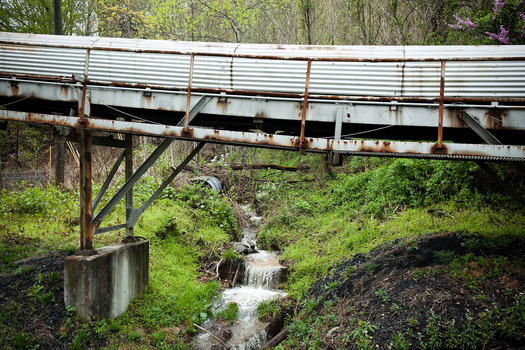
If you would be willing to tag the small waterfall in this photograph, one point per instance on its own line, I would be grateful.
(261, 278)
(262, 270)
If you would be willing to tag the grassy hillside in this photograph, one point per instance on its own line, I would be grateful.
(344, 234)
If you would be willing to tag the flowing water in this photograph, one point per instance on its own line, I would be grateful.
(261, 277)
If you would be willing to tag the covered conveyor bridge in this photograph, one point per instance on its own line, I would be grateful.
(444, 102)
(427, 101)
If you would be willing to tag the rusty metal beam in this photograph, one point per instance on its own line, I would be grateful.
(473, 123)
(441, 104)
(459, 151)
(203, 101)
(86, 212)
(128, 173)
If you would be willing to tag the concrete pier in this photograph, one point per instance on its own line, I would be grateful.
(102, 285)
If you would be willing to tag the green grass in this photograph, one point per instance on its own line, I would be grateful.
(180, 235)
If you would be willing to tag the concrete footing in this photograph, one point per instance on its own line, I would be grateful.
(101, 285)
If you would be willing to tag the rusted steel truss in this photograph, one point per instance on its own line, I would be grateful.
(353, 147)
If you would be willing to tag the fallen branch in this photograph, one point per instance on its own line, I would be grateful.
(281, 182)
(277, 339)
(269, 166)
(217, 273)
(216, 338)
(235, 276)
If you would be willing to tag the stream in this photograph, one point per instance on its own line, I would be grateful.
(260, 281)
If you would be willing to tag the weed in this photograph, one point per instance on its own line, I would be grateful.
(38, 294)
(232, 256)
(444, 256)
(268, 310)
(135, 336)
(371, 267)
(158, 338)
(412, 323)
(309, 305)
(399, 342)
(230, 313)
(382, 295)
(23, 270)
(23, 340)
(331, 286)
(361, 333)
(396, 309)
(347, 272)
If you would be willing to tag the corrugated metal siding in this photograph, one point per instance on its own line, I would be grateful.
(157, 70)
(272, 68)
(355, 78)
(286, 76)
(485, 79)
(211, 72)
(42, 61)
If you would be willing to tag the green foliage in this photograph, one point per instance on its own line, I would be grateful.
(383, 296)
(230, 313)
(491, 22)
(360, 335)
(23, 340)
(32, 200)
(232, 256)
(29, 16)
(268, 310)
(399, 342)
(37, 293)
(216, 206)
(403, 183)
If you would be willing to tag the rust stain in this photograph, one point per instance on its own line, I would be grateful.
(438, 149)
(495, 118)
(64, 91)
(15, 90)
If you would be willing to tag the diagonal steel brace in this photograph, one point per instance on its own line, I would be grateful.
(132, 181)
(108, 180)
(492, 140)
(136, 213)
(473, 123)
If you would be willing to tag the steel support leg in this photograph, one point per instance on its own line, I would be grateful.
(128, 139)
(108, 180)
(336, 158)
(86, 211)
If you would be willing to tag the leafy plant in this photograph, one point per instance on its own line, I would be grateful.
(230, 313)
(361, 333)
(399, 342)
(382, 295)
(268, 310)
(396, 309)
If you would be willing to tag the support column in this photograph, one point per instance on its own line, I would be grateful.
(86, 211)
(128, 139)
(59, 159)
